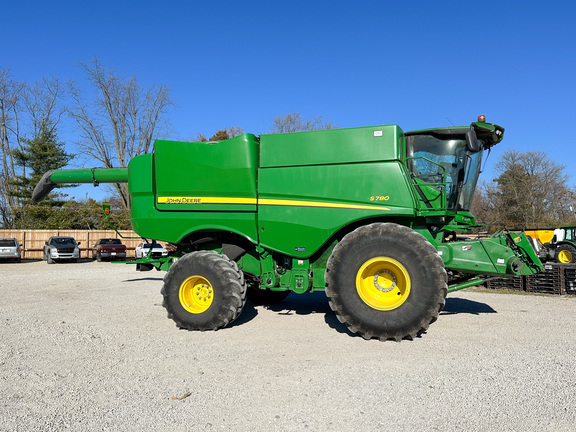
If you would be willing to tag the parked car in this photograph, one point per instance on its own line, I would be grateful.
(61, 248)
(108, 248)
(10, 249)
(143, 248)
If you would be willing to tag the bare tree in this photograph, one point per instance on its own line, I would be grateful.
(42, 104)
(6, 217)
(530, 192)
(293, 122)
(234, 131)
(124, 121)
(11, 93)
(10, 105)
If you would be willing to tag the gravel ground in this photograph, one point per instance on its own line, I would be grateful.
(88, 347)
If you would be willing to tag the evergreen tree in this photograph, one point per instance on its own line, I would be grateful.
(38, 155)
(89, 215)
(220, 135)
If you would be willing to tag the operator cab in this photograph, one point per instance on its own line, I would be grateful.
(445, 163)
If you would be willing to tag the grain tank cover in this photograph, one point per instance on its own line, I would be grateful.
(332, 146)
(206, 176)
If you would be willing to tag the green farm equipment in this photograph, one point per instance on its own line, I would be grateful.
(368, 214)
(558, 244)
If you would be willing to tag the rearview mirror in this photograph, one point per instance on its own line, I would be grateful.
(472, 141)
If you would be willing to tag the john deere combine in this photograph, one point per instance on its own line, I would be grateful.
(367, 214)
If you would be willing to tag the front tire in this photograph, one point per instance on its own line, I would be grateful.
(386, 281)
(204, 291)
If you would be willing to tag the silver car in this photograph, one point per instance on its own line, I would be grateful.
(10, 249)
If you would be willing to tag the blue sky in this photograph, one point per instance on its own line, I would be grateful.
(418, 64)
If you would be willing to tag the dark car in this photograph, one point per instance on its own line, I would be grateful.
(61, 248)
(10, 249)
(108, 249)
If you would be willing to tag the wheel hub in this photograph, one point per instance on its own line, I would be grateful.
(383, 283)
(203, 292)
(564, 256)
(196, 294)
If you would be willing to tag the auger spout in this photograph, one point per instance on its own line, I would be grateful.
(53, 178)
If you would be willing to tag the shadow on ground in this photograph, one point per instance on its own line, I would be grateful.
(249, 312)
(317, 303)
(460, 306)
(157, 279)
(310, 303)
(302, 304)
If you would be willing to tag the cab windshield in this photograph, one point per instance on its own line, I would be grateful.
(443, 162)
(569, 234)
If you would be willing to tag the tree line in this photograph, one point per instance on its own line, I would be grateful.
(530, 191)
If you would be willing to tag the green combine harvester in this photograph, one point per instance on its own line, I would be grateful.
(367, 214)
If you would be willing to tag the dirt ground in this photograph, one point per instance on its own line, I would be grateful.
(87, 346)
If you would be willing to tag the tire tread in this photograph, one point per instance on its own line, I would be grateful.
(383, 230)
(233, 285)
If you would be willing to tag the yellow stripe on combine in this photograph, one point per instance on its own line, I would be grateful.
(269, 202)
(296, 203)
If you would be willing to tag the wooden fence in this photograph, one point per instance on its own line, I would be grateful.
(32, 241)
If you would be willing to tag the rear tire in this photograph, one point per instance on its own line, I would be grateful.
(204, 291)
(566, 254)
(98, 257)
(386, 281)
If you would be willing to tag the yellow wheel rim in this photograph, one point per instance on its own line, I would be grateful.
(196, 294)
(564, 256)
(383, 283)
